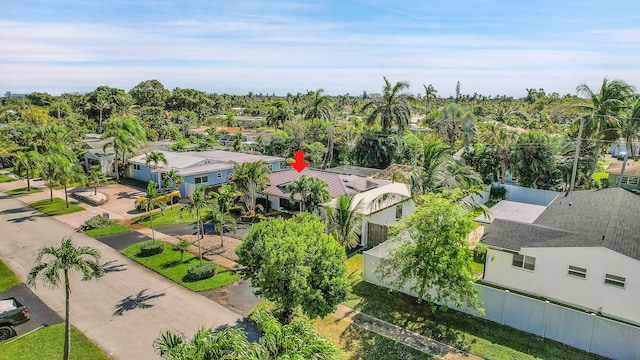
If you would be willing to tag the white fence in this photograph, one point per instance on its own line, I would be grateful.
(528, 195)
(581, 330)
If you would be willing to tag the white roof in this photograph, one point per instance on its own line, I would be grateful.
(397, 192)
(513, 211)
(175, 160)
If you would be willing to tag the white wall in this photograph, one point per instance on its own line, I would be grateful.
(386, 217)
(550, 279)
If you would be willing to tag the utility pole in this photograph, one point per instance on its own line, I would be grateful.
(576, 156)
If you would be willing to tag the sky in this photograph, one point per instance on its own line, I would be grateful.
(492, 47)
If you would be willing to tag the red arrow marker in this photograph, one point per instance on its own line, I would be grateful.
(299, 164)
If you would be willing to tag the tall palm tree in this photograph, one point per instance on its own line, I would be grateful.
(67, 173)
(127, 135)
(502, 139)
(223, 201)
(278, 112)
(48, 169)
(345, 220)
(311, 190)
(96, 178)
(197, 205)
(319, 107)
(249, 179)
(101, 105)
(603, 111)
(52, 261)
(125, 105)
(149, 202)
(26, 163)
(430, 94)
(392, 107)
(629, 130)
(155, 158)
(172, 178)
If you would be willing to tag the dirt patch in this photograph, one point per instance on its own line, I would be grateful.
(211, 245)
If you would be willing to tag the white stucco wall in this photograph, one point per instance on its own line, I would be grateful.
(385, 217)
(550, 278)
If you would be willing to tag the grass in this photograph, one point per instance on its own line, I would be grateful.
(47, 343)
(57, 207)
(168, 264)
(7, 278)
(168, 217)
(354, 269)
(6, 178)
(112, 229)
(23, 191)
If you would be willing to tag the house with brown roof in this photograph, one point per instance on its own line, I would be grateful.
(379, 211)
(631, 177)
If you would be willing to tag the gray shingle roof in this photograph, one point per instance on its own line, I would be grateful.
(280, 178)
(592, 218)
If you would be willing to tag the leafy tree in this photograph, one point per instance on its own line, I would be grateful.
(629, 131)
(534, 161)
(124, 105)
(392, 107)
(457, 123)
(501, 140)
(149, 93)
(52, 261)
(345, 220)
(26, 164)
(315, 153)
(280, 144)
(149, 202)
(101, 104)
(249, 179)
(297, 340)
(433, 254)
(311, 191)
(374, 149)
(223, 221)
(295, 264)
(197, 205)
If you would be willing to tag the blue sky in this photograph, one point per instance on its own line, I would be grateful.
(491, 47)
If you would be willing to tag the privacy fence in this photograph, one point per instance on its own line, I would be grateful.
(581, 330)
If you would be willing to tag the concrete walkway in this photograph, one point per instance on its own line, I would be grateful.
(124, 311)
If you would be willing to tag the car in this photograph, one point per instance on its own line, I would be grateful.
(12, 313)
(166, 196)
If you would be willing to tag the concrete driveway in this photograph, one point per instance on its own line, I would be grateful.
(39, 313)
(124, 311)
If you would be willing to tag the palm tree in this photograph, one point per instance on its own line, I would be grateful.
(502, 139)
(392, 107)
(311, 190)
(101, 105)
(124, 105)
(52, 261)
(429, 96)
(67, 173)
(197, 205)
(172, 178)
(127, 135)
(182, 246)
(155, 158)
(96, 178)
(26, 163)
(319, 107)
(222, 202)
(278, 112)
(149, 202)
(345, 220)
(603, 111)
(457, 122)
(249, 179)
(223, 221)
(629, 128)
(48, 168)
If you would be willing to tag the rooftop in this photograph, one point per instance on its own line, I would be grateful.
(632, 168)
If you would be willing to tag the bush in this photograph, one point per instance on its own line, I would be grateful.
(151, 247)
(498, 193)
(201, 271)
(96, 222)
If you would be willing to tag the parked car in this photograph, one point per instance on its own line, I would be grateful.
(12, 314)
(166, 196)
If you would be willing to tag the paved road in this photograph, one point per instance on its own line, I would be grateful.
(124, 311)
(123, 240)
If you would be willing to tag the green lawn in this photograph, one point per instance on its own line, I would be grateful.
(469, 333)
(57, 207)
(168, 217)
(23, 191)
(112, 229)
(47, 343)
(7, 278)
(6, 178)
(354, 269)
(168, 265)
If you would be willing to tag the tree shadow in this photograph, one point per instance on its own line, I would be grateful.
(246, 325)
(138, 301)
(31, 217)
(109, 267)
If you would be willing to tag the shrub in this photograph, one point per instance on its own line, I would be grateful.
(498, 193)
(151, 247)
(201, 271)
(96, 222)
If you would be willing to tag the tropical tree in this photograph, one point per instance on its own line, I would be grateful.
(101, 104)
(430, 94)
(127, 135)
(278, 112)
(223, 201)
(26, 163)
(250, 178)
(603, 111)
(182, 246)
(391, 108)
(534, 161)
(196, 206)
(502, 139)
(68, 172)
(48, 169)
(172, 179)
(315, 153)
(629, 131)
(52, 262)
(310, 190)
(433, 255)
(155, 158)
(124, 105)
(294, 263)
(344, 219)
(457, 123)
(96, 178)
(319, 107)
(149, 202)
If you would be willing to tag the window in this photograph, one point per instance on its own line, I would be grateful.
(614, 280)
(577, 271)
(219, 175)
(136, 166)
(398, 212)
(629, 180)
(524, 262)
(201, 179)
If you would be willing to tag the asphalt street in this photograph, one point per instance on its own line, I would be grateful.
(122, 312)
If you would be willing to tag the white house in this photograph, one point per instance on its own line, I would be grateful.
(378, 214)
(583, 250)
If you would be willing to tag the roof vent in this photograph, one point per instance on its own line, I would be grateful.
(602, 237)
(570, 203)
